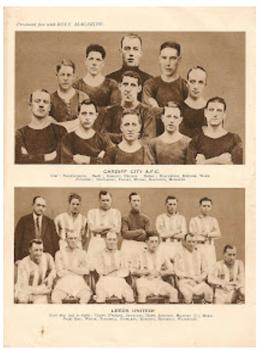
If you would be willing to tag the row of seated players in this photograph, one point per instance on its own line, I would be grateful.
(132, 229)
(93, 129)
(40, 280)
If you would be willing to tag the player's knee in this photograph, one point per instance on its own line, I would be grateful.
(208, 294)
(173, 295)
(23, 298)
(142, 294)
(100, 295)
(129, 296)
(187, 296)
(84, 296)
(41, 299)
(56, 297)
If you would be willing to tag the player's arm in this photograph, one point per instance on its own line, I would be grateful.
(160, 227)
(22, 155)
(131, 234)
(149, 94)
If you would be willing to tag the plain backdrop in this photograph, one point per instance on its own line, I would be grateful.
(222, 54)
(228, 206)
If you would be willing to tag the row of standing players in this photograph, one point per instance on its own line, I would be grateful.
(107, 122)
(148, 255)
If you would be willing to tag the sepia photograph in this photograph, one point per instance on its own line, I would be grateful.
(129, 98)
(158, 256)
(90, 245)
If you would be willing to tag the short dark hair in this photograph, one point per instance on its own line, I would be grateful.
(131, 35)
(67, 63)
(35, 241)
(173, 105)
(41, 90)
(104, 193)
(228, 246)
(111, 231)
(205, 199)
(87, 102)
(132, 74)
(131, 195)
(196, 68)
(187, 234)
(132, 112)
(36, 197)
(217, 99)
(96, 48)
(74, 196)
(152, 234)
(173, 45)
(170, 197)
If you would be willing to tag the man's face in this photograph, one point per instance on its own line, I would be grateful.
(205, 207)
(130, 127)
(94, 63)
(87, 116)
(230, 256)
(171, 206)
(171, 119)
(39, 206)
(40, 104)
(135, 202)
(65, 78)
(105, 201)
(36, 252)
(72, 240)
(196, 83)
(111, 241)
(215, 113)
(169, 61)
(74, 206)
(152, 243)
(190, 242)
(131, 51)
(129, 89)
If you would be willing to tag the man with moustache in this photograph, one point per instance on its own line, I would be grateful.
(39, 141)
(131, 52)
(35, 226)
(72, 221)
(85, 145)
(110, 118)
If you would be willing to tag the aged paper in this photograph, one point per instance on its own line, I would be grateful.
(222, 40)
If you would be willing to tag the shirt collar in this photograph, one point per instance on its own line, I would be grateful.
(37, 216)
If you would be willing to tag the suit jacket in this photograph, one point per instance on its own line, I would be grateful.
(25, 232)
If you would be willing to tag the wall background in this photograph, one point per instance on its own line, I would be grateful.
(222, 54)
(228, 206)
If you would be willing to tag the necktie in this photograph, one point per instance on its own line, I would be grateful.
(37, 228)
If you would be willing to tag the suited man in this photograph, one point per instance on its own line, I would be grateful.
(35, 225)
